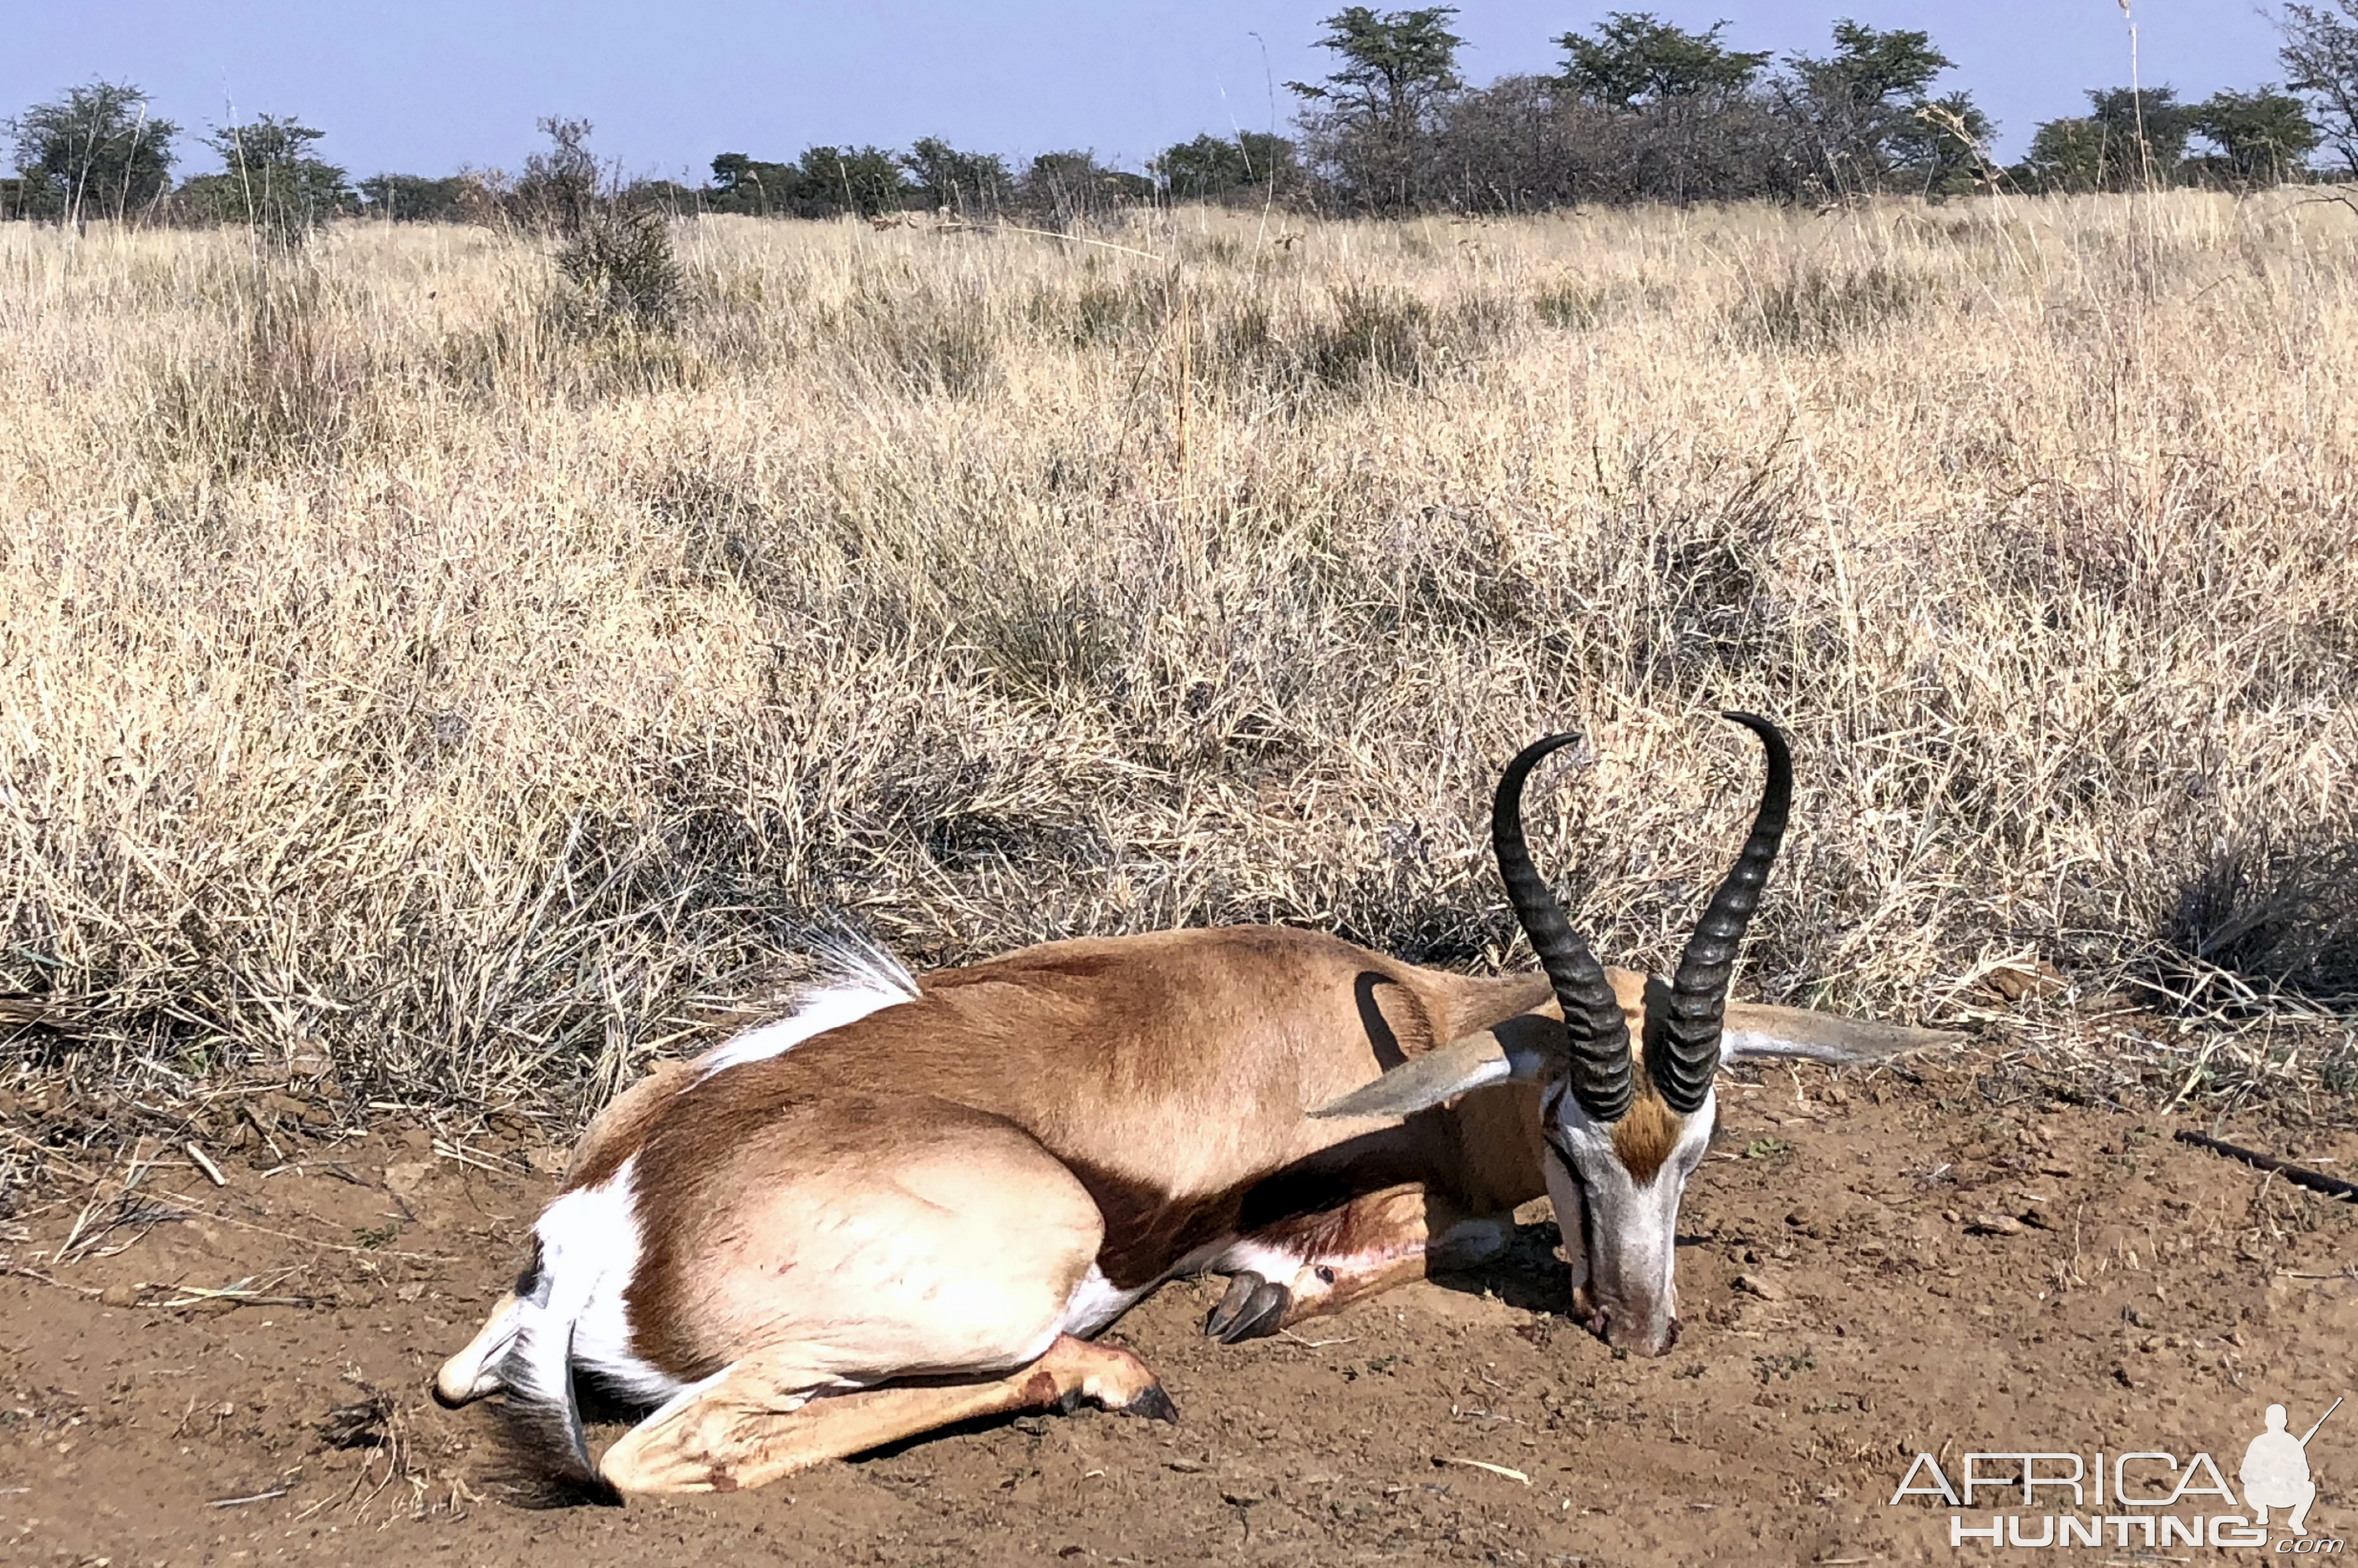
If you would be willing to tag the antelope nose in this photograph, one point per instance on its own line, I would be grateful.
(1634, 1335)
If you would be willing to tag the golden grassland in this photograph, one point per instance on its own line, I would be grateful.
(407, 669)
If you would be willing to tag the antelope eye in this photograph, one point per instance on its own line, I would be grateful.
(1326, 1275)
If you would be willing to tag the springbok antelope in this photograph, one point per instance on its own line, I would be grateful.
(912, 1201)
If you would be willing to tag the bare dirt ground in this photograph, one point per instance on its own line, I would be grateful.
(1871, 1268)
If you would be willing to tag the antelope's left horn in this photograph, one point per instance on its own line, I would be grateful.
(1684, 1054)
(1593, 1025)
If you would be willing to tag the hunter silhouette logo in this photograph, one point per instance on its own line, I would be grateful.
(2132, 1498)
(2276, 1471)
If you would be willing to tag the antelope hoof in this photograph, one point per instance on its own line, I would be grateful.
(1154, 1404)
(1252, 1308)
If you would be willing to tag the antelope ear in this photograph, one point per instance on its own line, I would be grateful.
(1754, 1031)
(1480, 1059)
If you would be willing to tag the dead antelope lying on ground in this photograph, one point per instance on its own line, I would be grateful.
(914, 1201)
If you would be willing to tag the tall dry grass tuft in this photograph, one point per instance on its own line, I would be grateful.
(398, 682)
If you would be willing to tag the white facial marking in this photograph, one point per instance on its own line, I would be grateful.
(1621, 1236)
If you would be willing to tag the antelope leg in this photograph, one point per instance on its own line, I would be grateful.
(1374, 1242)
(748, 1427)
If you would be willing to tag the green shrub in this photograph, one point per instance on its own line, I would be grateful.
(620, 266)
(1816, 309)
(1571, 305)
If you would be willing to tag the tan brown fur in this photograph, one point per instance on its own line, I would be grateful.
(615, 1132)
(748, 1429)
(1646, 1135)
(1380, 1239)
(799, 1216)
(1094, 1048)
(927, 1188)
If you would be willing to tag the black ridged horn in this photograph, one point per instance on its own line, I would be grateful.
(1601, 1076)
(1684, 1055)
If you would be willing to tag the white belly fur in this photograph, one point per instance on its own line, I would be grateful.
(1096, 1302)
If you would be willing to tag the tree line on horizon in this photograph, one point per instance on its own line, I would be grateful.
(1638, 110)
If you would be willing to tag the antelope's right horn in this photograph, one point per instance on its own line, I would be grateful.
(1602, 1079)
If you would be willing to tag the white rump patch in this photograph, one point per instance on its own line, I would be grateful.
(856, 980)
(588, 1254)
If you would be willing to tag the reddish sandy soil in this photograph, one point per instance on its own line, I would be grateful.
(1873, 1270)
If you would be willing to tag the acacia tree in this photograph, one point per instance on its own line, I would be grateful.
(2129, 139)
(416, 198)
(868, 181)
(2320, 60)
(2263, 137)
(1211, 167)
(1867, 110)
(1681, 119)
(1635, 59)
(2148, 126)
(1943, 151)
(1067, 188)
(1370, 119)
(828, 181)
(749, 185)
(2067, 154)
(973, 185)
(270, 179)
(97, 152)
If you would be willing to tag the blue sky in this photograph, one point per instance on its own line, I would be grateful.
(425, 86)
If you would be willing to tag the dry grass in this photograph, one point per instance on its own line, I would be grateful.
(405, 671)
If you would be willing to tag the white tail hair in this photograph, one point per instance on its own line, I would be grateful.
(852, 978)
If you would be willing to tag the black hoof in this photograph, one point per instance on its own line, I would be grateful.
(1240, 1290)
(1250, 1309)
(1232, 1305)
(1154, 1405)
